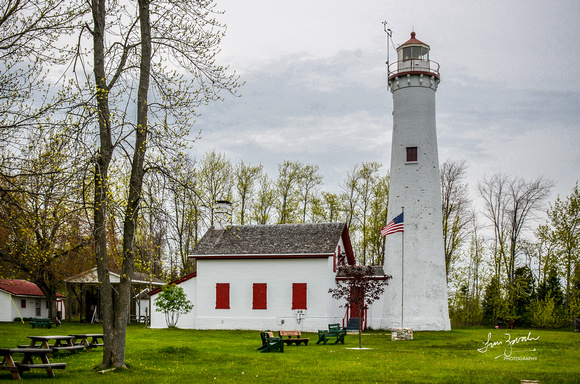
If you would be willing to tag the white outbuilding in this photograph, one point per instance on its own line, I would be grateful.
(21, 299)
(265, 277)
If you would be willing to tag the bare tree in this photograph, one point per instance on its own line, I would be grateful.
(185, 215)
(493, 192)
(29, 31)
(456, 210)
(510, 203)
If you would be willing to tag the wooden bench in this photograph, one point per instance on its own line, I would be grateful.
(71, 348)
(44, 323)
(334, 332)
(28, 367)
(271, 343)
(297, 337)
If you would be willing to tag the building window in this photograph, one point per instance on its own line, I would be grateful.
(222, 296)
(260, 296)
(22, 303)
(299, 296)
(411, 154)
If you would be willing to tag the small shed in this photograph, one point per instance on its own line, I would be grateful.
(83, 293)
(23, 299)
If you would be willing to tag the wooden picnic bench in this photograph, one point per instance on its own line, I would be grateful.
(42, 322)
(334, 332)
(61, 343)
(83, 339)
(16, 368)
(271, 343)
(296, 340)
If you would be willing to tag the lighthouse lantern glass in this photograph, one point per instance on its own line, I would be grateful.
(414, 52)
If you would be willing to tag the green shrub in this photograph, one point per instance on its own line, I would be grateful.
(546, 314)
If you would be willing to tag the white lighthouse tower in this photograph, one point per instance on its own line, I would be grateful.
(416, 297)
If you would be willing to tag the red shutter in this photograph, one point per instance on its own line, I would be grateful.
(299, 296)
(222, 296)
(260, 296)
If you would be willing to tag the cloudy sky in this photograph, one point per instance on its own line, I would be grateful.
(509, 98)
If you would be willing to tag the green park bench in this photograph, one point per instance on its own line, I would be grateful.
(335, 332)
(271, 343)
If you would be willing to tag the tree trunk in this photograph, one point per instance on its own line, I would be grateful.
(101, 183)
(360, 326)
(135, 189)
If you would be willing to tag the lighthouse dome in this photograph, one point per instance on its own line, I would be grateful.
(413, 49)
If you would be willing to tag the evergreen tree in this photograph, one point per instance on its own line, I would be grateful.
(492, 302)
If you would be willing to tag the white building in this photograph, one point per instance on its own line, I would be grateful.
(417, 295)
(23, 299)
(265, 277)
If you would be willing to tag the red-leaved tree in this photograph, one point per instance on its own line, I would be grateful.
(360, 285)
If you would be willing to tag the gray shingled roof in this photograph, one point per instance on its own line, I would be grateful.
(281, 239)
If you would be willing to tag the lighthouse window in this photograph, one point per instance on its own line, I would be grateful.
(420, 53)
(407, 53)
(413, 52)
(411, 154)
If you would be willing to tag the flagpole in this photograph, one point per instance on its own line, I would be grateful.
(402, 271)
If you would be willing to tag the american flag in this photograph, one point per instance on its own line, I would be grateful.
(396, 225)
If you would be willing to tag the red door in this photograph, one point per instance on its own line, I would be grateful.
(353, 306)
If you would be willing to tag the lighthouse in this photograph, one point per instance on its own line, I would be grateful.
(416, 297)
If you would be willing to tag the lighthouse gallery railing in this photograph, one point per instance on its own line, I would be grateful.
(410, 66)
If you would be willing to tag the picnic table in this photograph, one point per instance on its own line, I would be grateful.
(42, 322)
(60, 343)
(83, 339)
(297, 340)
(16, 368)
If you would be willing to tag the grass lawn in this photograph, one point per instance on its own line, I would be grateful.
(178, 356)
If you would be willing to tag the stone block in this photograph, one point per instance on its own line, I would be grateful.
(402, 334)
